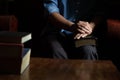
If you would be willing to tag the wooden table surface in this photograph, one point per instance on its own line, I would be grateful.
(56, 69)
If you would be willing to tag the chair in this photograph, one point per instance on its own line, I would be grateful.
(8, 23)
(113, 41)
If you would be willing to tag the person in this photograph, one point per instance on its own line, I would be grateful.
(66, 21)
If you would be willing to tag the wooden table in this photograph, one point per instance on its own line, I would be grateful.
(55, 69)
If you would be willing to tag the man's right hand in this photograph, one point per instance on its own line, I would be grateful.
(82, 29)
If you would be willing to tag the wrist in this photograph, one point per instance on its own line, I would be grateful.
(73, 28)
(70, 26)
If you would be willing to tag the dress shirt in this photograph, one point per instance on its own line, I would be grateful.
(72, 10)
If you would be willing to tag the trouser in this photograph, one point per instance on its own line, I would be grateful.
(63, 47)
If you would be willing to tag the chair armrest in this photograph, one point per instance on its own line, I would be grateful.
(8, 23)
(113, 28)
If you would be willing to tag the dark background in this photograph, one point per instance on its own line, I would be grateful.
(30, 12)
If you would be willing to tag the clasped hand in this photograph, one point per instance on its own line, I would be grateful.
(82, 29)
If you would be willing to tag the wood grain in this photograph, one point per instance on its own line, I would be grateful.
(56, 69)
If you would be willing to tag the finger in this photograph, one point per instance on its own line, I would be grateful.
(78, 36)
(81, 31)
(85, 30)
(85, 25)
(84, 35)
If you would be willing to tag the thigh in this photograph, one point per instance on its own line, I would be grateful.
(88, 52)
(56, 48)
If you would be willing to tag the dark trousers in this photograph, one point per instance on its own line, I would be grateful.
(63, 47)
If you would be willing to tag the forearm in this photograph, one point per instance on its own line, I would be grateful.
(59, 21)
